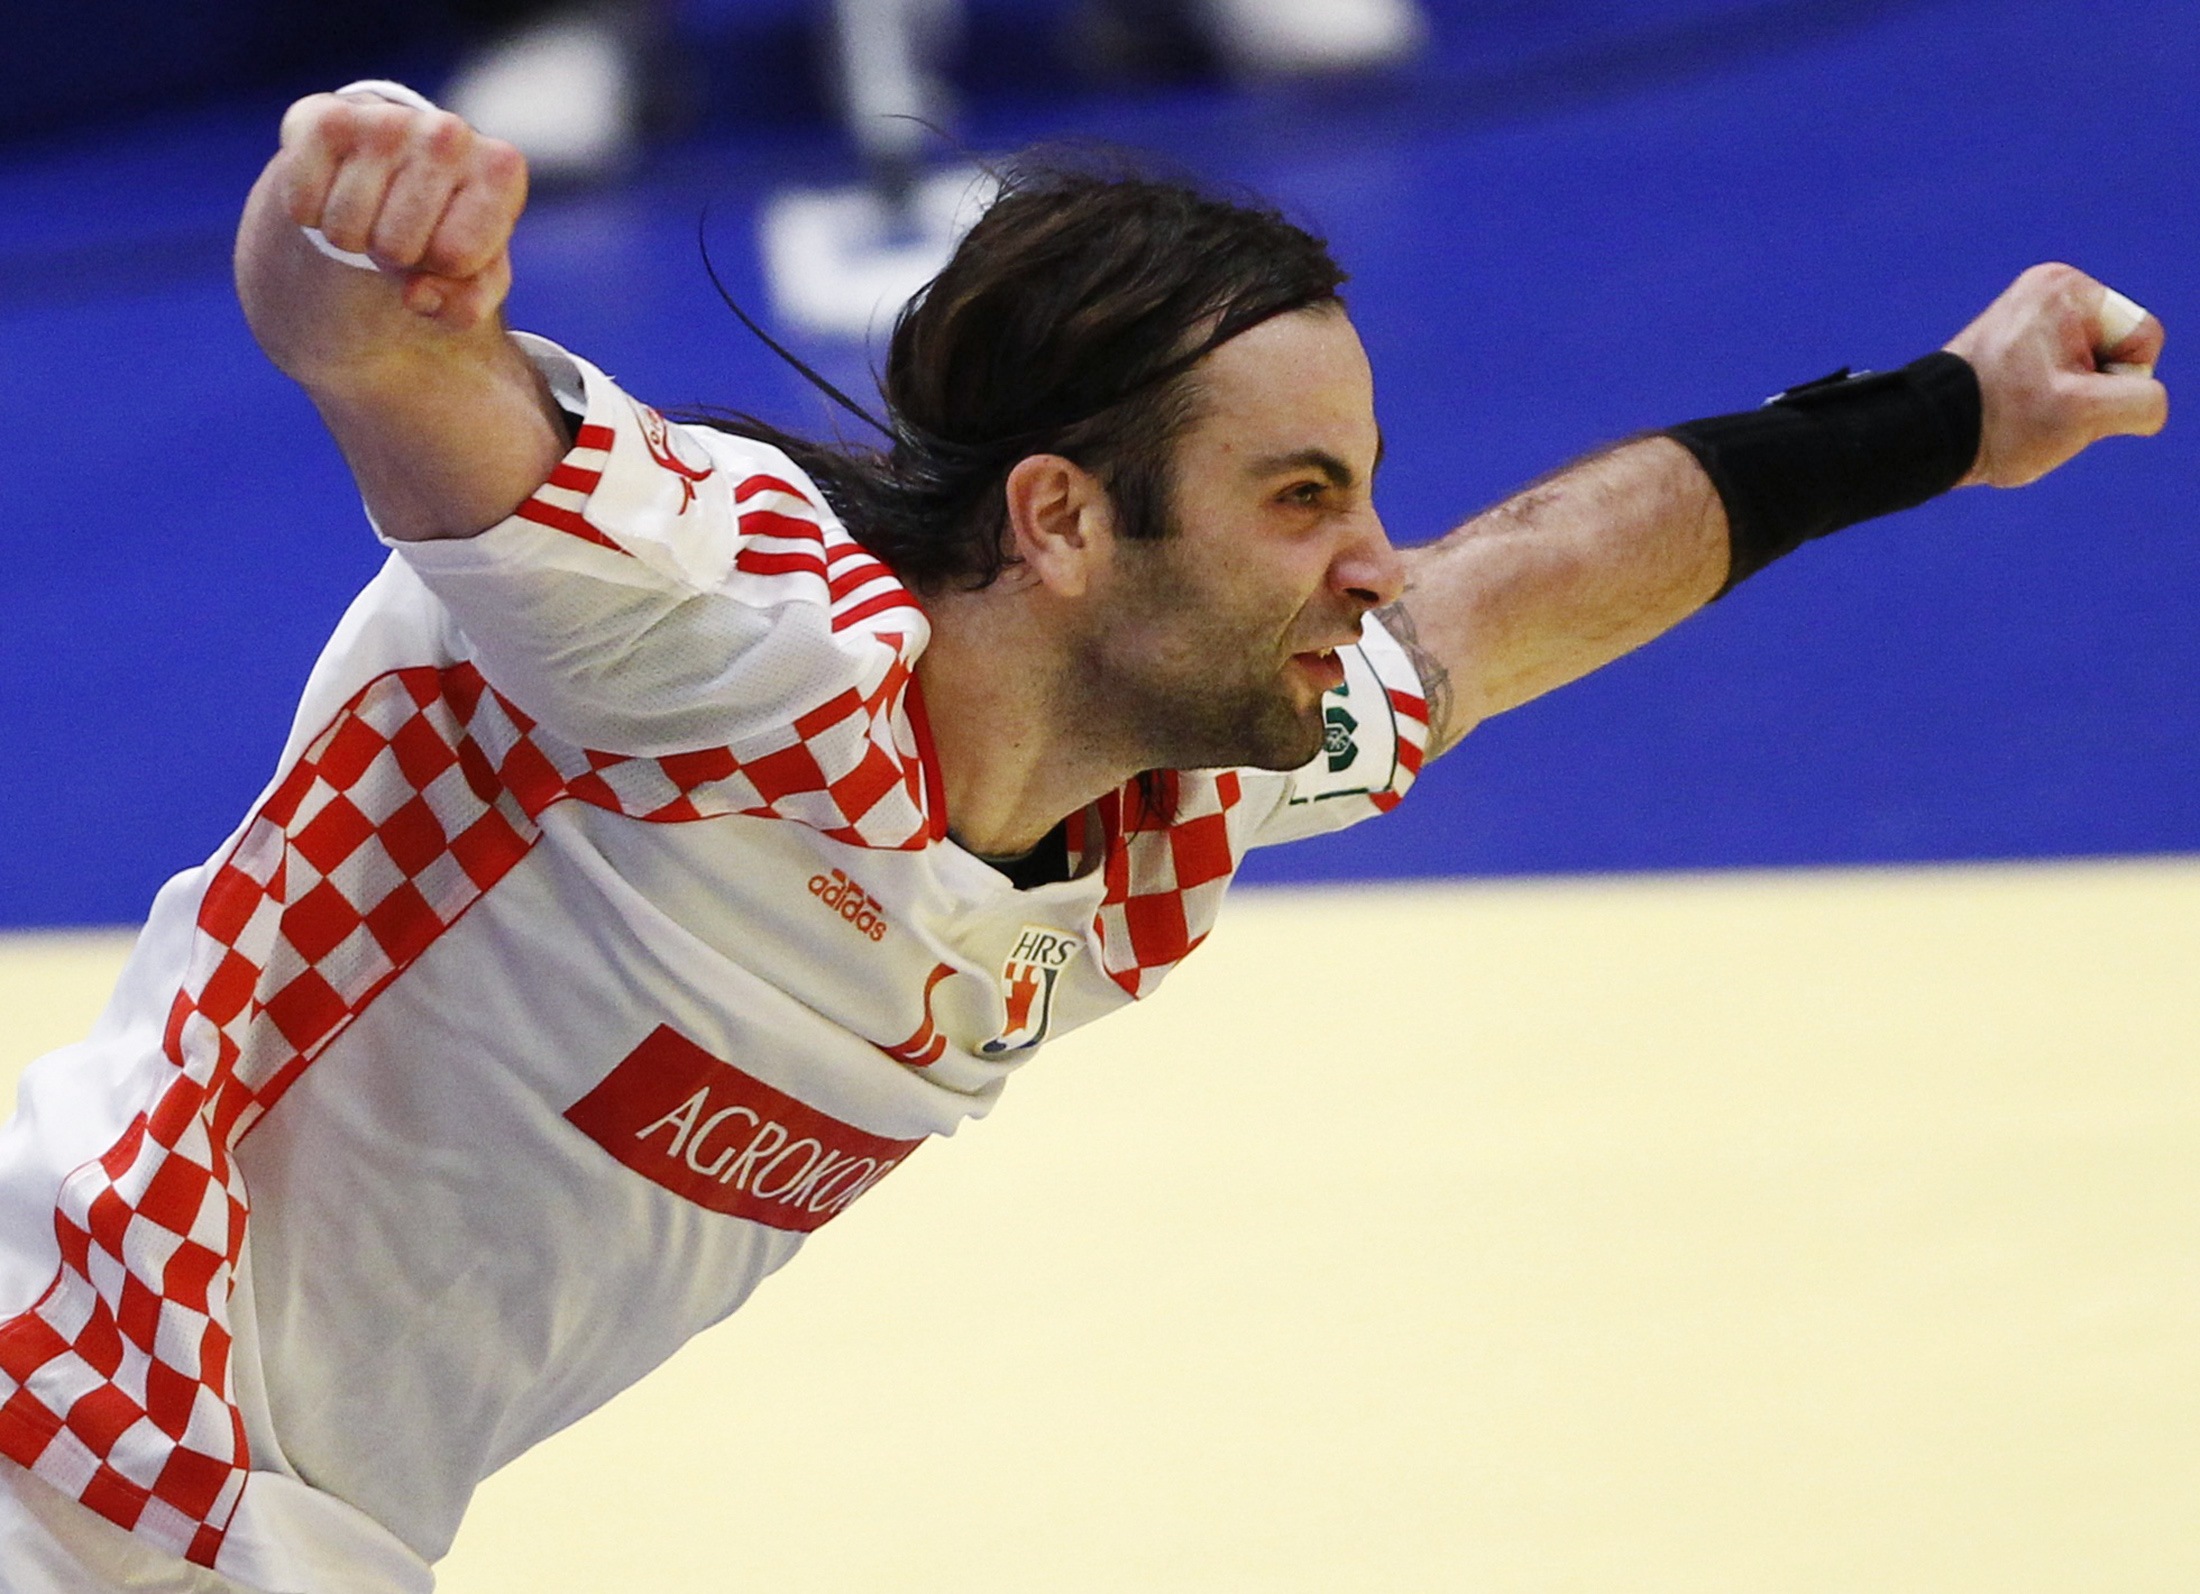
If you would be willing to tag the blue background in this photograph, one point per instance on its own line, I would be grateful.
(1571, 222)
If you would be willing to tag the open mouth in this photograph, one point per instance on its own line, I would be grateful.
(1323, 665)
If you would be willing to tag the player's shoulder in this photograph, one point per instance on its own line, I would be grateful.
(688, 448)
(758, 471)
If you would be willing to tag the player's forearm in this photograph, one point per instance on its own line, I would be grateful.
(1559, 579)
(446, 426)
(446, 431)
(1609, 553)
(453, 455)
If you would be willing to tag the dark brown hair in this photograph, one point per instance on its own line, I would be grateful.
(1068, 322)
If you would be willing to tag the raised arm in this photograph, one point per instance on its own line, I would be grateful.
(1601, 557)
(445, 425)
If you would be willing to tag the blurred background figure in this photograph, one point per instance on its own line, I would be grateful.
(583, 87)
(889, 57)
(566, 83)
(1260, 39)
(571, 84)
(1280, 38)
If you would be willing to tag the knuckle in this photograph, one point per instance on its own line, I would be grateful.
(442, 133)
(2051, 277)
(499, 162)
(307, 117)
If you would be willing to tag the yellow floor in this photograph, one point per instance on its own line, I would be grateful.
(1809, 1233)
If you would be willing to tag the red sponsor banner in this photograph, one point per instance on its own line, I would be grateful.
(704, 1130)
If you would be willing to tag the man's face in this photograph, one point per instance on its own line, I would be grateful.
(1213, 645)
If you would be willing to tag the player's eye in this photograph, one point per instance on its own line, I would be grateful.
(1308, 493)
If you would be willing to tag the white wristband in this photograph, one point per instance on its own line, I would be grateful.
(397, 94)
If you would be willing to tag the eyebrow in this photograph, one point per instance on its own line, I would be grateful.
(1339, 473)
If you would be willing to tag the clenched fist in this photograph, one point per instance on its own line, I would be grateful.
(444, 422)
(2043, 352)
(428, 200)
(419, 192)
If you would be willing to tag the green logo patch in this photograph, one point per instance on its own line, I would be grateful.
(1337, 728)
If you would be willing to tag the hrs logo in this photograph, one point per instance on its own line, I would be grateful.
(1028, 982)
(855, 905)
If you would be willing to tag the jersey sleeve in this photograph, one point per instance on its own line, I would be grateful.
(1375, 737)
(669, 587)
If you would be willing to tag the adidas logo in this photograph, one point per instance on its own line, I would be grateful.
(854, 904)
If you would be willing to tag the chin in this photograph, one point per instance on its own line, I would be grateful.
(1286, 741)
(1249, 728)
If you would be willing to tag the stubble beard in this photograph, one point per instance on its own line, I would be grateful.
(1189, 687)
(1218, 724)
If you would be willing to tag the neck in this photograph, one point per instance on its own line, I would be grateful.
(1018, 749)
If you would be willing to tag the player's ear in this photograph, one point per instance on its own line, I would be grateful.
(1061, 522)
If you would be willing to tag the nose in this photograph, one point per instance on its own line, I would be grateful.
(1368, 570)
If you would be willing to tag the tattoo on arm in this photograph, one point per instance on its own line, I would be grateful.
(1397, 619)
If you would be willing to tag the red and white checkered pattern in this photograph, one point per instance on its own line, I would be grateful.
(1168, 865)
(1169, 862)
(422, 794)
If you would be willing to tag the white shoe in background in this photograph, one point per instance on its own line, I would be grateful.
(1300, 38)
(566, 90)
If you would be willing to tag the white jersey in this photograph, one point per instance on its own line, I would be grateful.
(599, 937)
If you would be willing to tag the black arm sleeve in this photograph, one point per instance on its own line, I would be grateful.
(1834, 452)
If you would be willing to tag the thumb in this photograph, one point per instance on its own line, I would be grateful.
(459, 304)
(2126, 404)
